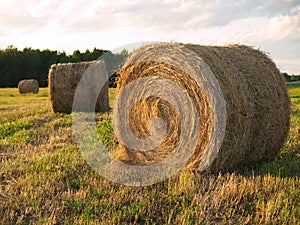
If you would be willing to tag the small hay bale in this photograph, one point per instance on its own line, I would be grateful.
(257, 104)
(63, 80)
(28, 86)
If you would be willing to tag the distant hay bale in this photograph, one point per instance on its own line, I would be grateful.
(28, 86)
(63, 81)
(257, 104)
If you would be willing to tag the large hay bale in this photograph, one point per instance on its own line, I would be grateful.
(256, 106)
(28, 86)
(64, 79)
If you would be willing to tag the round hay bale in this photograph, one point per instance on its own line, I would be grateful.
(28, 86)
(63, 81)
(243, 108)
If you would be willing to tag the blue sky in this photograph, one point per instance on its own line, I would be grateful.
(270, 25)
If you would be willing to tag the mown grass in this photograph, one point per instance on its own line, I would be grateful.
(45, 180)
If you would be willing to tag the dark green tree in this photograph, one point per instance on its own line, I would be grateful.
(16, 65)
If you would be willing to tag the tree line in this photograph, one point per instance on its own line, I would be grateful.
(16, 65)
(291, 78)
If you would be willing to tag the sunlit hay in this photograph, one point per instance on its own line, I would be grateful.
(257, 104)
(28, 86)
(63, 81)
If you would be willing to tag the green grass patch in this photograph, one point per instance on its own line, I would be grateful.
(9, 128)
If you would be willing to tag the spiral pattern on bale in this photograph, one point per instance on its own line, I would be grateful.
(242, 108)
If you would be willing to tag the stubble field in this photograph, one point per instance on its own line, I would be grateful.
(45, 180)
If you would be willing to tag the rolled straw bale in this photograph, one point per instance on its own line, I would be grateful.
(28, 86)
(257, 105)
(63, 80)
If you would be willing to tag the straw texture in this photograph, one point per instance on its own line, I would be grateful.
(28, 86)
(257, 105)
(63, 81)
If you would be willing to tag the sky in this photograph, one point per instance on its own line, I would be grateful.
(272, 26)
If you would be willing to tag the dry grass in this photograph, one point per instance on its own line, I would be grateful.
(44, 179)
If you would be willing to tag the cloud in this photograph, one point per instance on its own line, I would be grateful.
(282, 26)
(8, 19)
(195, 14)
(42, 9)
(20, 17)
(160, 16)
(230, 10)
(81, 24)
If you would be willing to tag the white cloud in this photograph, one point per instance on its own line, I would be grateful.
(281, 26)
(80, 24)
(41, 8)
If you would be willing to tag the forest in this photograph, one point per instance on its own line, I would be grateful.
(291, 78)
(16, 65)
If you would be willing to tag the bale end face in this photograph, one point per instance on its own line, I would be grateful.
(257, 104)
